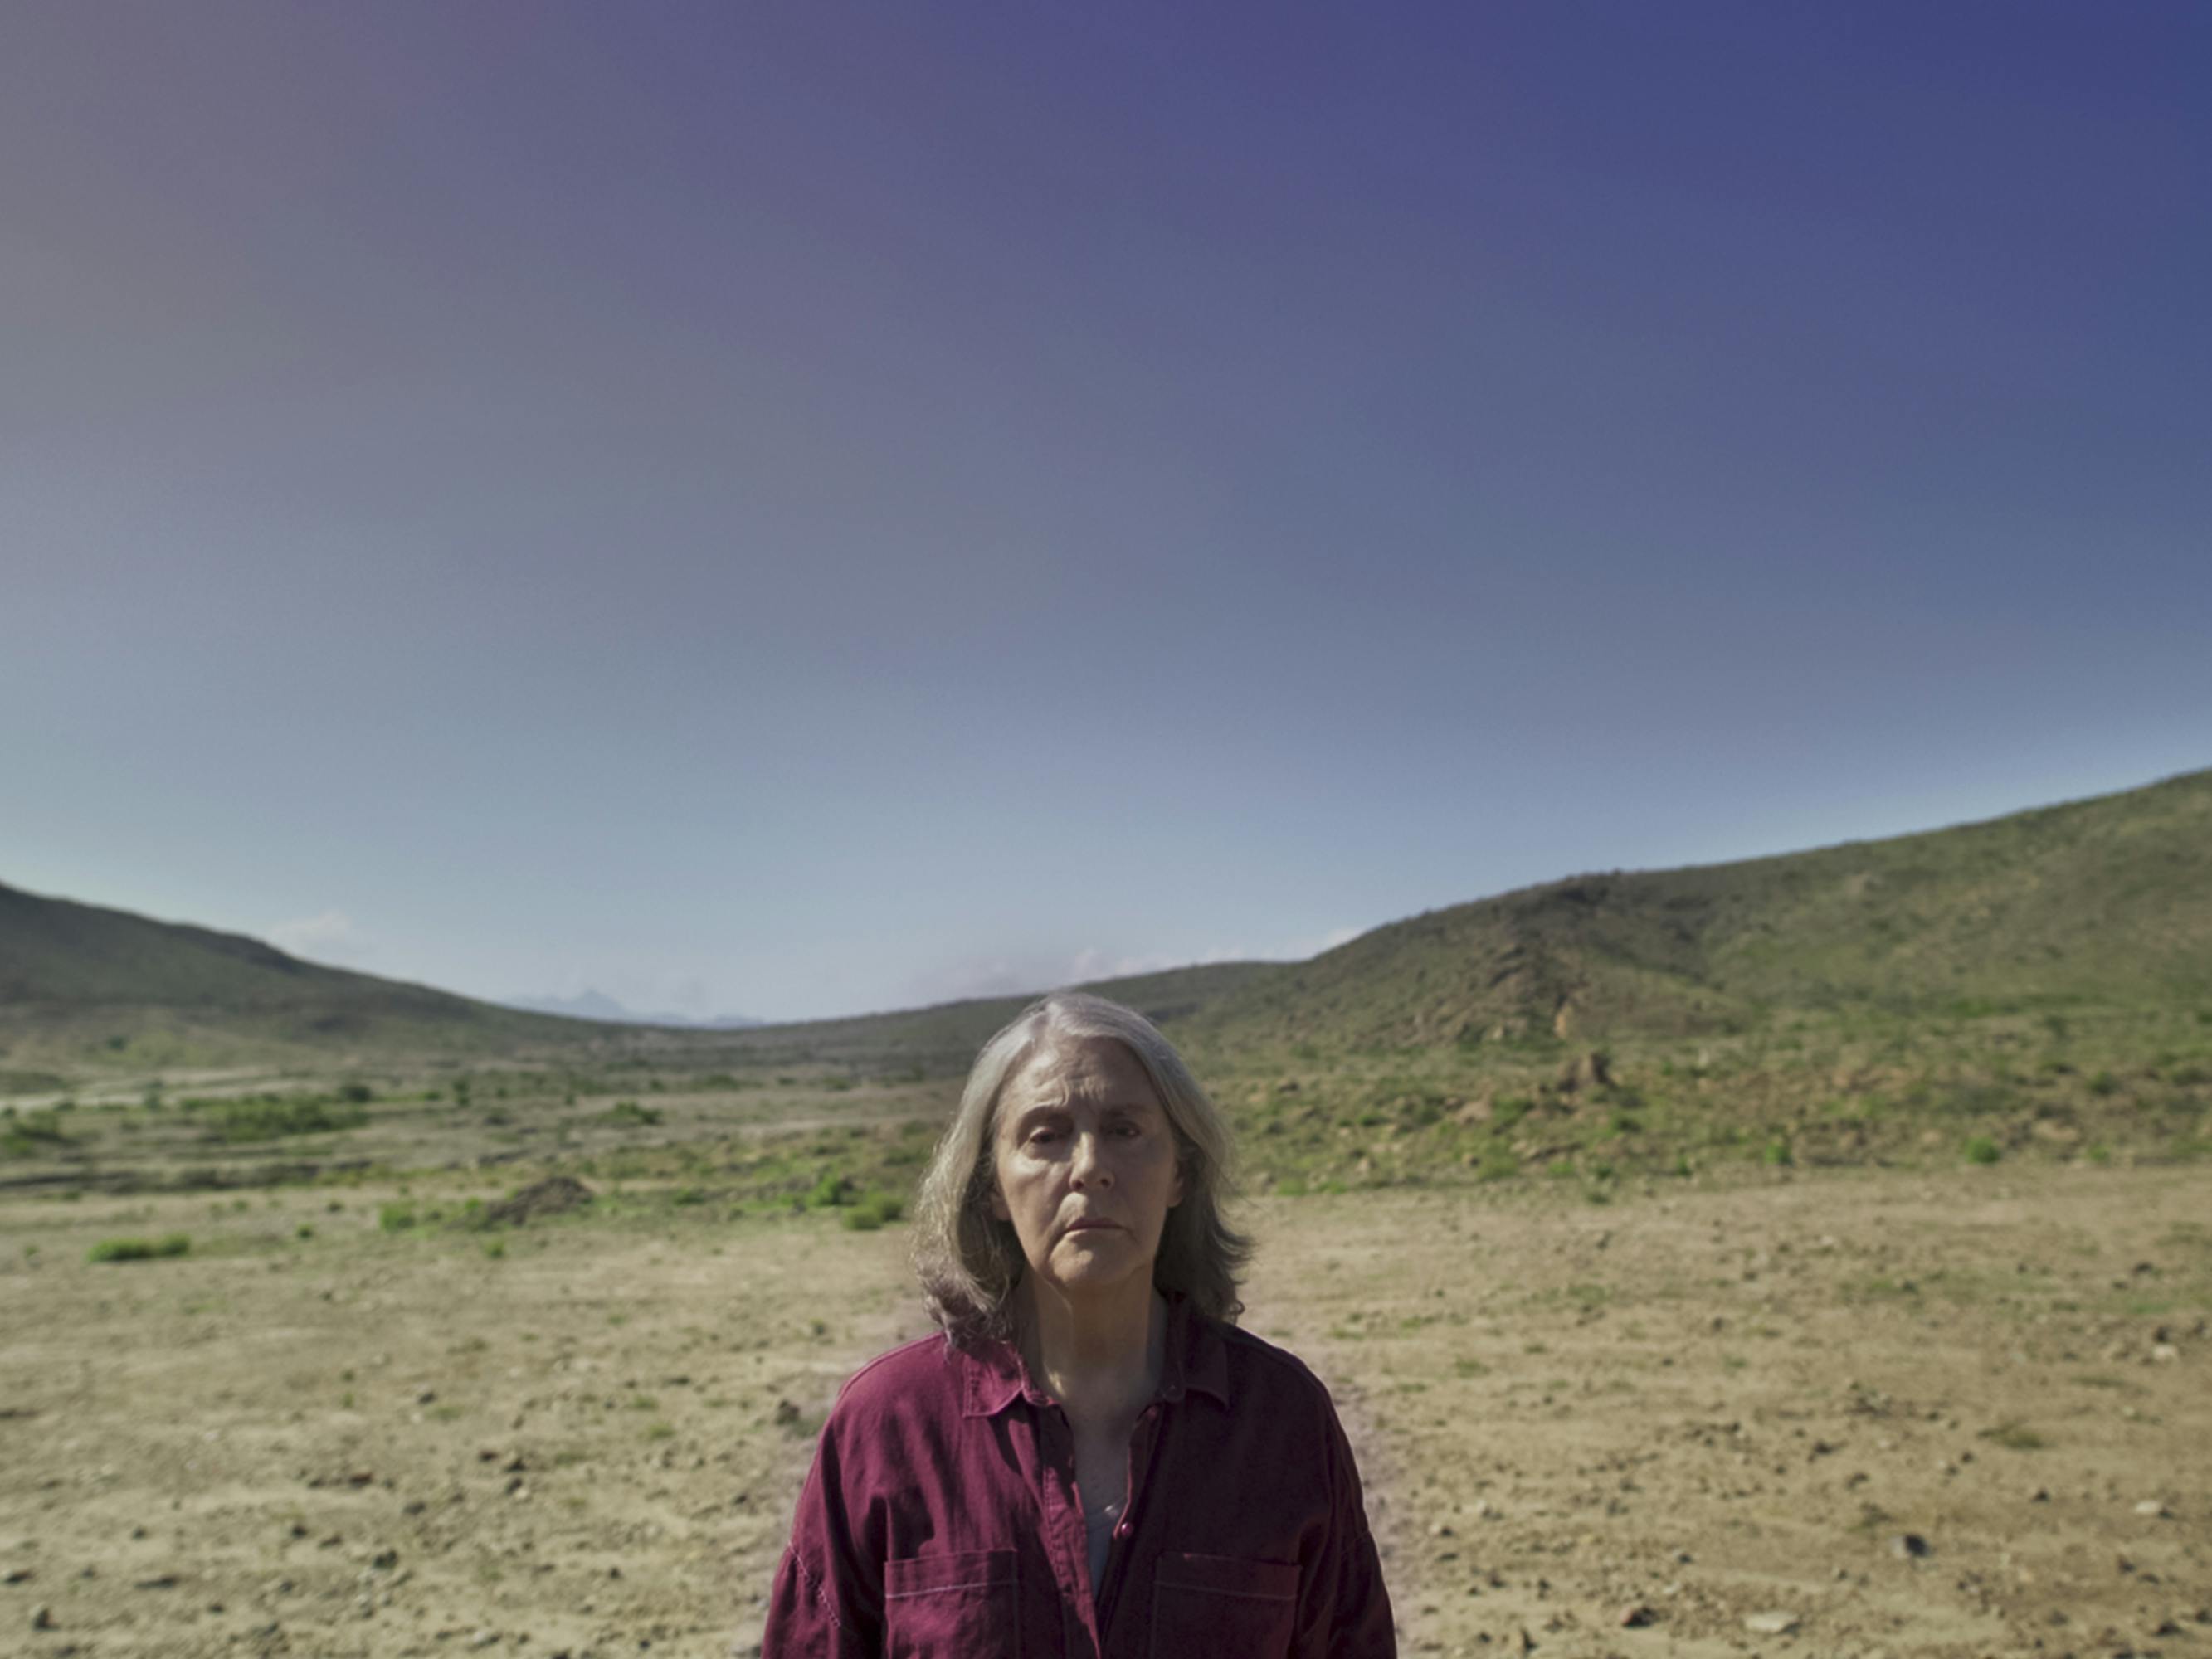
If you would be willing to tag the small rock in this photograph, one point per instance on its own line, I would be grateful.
(2151, 1506)
(1638, 1617)
(18, 1575)
(2165, 1354)
(42, 1618)
(1906, 1545)
(163, 1581)
(1770, 1623)
(426, 1396)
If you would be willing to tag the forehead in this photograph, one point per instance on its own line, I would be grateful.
(1078, 1071)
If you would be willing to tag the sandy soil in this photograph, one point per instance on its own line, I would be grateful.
(1697, 1407)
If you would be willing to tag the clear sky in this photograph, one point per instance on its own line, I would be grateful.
(800, 508)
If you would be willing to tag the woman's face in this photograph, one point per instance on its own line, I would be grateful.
(1086, 1164)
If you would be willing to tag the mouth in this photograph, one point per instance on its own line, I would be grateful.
(1092, 1225)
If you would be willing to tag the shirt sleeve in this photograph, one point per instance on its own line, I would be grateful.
(826, 1599)
(1344, 1611)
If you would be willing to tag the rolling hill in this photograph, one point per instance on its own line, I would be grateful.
(78, 979)
(2106, 902)
(80, 983)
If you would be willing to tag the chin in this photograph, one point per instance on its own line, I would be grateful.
(1084, 1271)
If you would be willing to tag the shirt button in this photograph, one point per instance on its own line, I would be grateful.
(1121, 1531)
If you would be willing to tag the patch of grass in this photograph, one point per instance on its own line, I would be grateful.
(1497, 1163)
(629, 1115)
(2015, 1436)
(1509, 1110)
(397, 1217)
(139, 1250)
(1980, 1149)
(34, 1131)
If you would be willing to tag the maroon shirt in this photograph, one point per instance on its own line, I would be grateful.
(941, 1517)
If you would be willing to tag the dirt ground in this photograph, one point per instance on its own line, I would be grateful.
(1851, 1414)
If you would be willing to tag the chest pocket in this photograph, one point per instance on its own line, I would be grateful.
(951, 1606)
(1223, 1608)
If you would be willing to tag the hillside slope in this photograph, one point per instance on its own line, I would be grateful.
(78, 981)
(2105, 901)
(74, 976)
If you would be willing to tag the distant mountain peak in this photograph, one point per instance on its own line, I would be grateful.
(593, 1004)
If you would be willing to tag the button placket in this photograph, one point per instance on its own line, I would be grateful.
(1143, 1454)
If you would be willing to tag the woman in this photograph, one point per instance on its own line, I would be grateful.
(1092, 1460)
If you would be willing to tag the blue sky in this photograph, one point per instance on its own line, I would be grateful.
(801, 509)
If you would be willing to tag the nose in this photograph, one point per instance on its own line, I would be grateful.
(1088, 1168)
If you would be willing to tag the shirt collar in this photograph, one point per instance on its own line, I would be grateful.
(1195, 1357)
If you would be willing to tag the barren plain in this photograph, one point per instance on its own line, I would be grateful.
(1849, 1412)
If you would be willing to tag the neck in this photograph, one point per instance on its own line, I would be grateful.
(1100, 1357)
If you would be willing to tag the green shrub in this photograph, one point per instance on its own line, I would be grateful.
(266, 1117)
(396, 1218)
(2104, 1083)
(1779, 1152)
(1980, 1149)
(355, 1094)
(830, 1191)
(872, 1211)
(139, 1250)
(629, 1115)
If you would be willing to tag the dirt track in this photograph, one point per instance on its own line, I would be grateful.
(1709, 1406)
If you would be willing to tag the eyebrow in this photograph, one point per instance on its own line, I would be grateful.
(1131, 1108)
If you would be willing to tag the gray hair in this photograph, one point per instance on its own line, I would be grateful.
(969, 1261)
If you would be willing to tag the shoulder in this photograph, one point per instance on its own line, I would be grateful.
(1272, 1379)
(922, 1379)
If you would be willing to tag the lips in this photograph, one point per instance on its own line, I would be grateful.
(1091, 1223)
